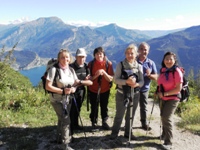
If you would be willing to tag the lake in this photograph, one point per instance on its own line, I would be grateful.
(34, 74)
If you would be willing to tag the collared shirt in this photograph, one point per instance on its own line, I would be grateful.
(147, 64)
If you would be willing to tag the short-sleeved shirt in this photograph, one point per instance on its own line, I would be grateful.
(173, 78)
(105, 85)
(67, 77)
(147, 64)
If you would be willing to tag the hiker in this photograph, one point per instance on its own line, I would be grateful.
(83, 74)
(170, 84)
(149, 73)
(135, 82)
(60, 97)
(102, 74)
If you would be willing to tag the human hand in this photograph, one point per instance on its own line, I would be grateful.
(73, 89)
(160, 94)
(67, 90)
(99, 72)
(88, 77)
(131, 81)
(148, 72)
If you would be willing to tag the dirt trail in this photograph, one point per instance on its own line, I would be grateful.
(183, 140)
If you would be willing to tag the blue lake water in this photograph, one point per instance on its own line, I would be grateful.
(34, 74)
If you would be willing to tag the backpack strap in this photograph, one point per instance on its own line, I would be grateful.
(171, 70)
(57, 73)
(122, 67)
(87, 69)
(91, 66)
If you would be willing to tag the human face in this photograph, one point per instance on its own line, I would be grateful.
(64, 59)
(99, 56)
(143, 51)
(169, 61)
(130, 55)
(80, 60)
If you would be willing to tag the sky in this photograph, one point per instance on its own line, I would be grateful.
(129, 14)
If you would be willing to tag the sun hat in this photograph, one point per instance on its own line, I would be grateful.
(81, 52)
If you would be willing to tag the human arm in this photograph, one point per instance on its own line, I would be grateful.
(87, 81)
(140, 82)
(152, 73)
(171, 86)
(174, 91)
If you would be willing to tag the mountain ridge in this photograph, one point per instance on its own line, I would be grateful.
(46, 36)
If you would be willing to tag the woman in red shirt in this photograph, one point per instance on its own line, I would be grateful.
(102, 74)
(170, 84)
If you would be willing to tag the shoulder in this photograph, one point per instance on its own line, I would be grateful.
(119, 65)
(109, 62)
(72, 64)
(71, 69)
(162, 70)
(150, 61)
(178, 70)
(91, 62)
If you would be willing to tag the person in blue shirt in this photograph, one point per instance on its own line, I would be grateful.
(149, 73)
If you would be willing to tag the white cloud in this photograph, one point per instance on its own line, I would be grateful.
(86, 23)
(20, 20)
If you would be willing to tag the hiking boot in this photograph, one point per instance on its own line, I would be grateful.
(132, 137)
(78, 127)
(113, 137)
(167, 146)
(146, 127)
(105, 126)
(67, 147)
(94, 126)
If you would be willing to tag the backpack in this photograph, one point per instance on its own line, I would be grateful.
(125, 74)
(107, 65)
(185, 91)
(51, 63)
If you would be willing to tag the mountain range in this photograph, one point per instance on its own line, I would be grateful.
(41, 39)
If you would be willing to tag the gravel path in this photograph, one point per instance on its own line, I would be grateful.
(183, 140)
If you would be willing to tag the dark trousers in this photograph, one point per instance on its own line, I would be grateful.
(76, 108)
(143, 107)
(103, 102)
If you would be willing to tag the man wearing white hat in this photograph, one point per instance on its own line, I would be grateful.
(83, 74)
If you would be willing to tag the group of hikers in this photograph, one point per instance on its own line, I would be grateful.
(133, 76)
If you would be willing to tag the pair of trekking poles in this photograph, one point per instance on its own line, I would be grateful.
(66, 111)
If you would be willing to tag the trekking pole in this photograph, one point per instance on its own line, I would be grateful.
(98, 97)
(88, 99)
(151, 114)
(79, 115)
(131, 118)
(152, 109)
(161, 106)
